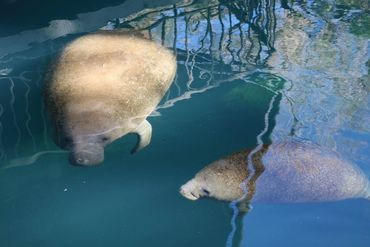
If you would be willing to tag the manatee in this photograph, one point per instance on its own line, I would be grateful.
(103, 86)
(285, 172)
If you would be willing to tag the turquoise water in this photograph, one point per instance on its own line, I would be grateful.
(309, 60)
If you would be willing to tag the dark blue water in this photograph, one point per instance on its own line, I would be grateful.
(308, 60)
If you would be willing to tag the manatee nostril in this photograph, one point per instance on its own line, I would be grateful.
(87, 157)
(81, 161)
(182, 191)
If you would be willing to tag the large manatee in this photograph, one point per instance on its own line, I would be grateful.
(102, 87)
(285, 172)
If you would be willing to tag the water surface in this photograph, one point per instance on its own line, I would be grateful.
(309, 60)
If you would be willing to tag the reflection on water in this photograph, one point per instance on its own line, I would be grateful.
(309, 61)
(316, 58)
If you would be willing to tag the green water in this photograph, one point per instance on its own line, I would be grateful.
(309, 60)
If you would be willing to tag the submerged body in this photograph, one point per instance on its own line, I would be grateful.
(282, 173)
(102, 87)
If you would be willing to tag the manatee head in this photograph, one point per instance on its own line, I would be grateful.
(86, 133)
(86, 150)
(220, 180)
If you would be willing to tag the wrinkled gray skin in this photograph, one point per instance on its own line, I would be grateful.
(104, 86)
(289, 172)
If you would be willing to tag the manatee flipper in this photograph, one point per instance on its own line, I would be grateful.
(144, 132)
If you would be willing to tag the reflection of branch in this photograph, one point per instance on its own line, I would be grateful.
(12, 58)
(259, 31)
(241, 46)
(37, 82)
(188, 72)
(222, 32)
(255, 168)
(271, 26)
(195, 53)
(197, 23)
(174, 28)
(230, 38)
(31, 79)
(255, 14)
(188, 94)
(294, 126)
(12, 101)
(203, 39)
(209, 27)
(2, 151)
(27, 111)
(25, 161)
(163, 34)
(249, 184)
(257, 149)
(142, 14)
(164, 17)
(184, 96)
(284, 4)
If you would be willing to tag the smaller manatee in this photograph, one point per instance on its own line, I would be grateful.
(281, 173)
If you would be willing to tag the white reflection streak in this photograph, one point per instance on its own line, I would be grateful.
(28, 120)
(12, 101)
(184, 96)
(2, 151)
(12, 58)
(233, 204)
(42, 112)
(29, 160)
(188, 94)
(190, 68)
(176, 82)
(6, 71)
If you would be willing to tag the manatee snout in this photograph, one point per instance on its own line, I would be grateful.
(188, 190)
(88, 155)
(192, 191)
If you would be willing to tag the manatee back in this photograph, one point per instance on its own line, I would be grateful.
(305, 172)
(129, 73)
